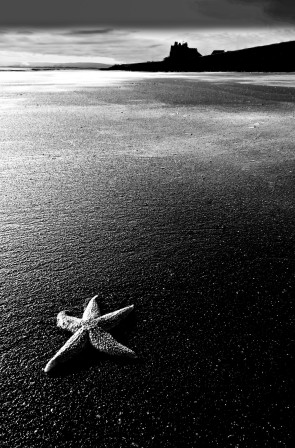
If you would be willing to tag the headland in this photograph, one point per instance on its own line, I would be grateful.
(268, 58)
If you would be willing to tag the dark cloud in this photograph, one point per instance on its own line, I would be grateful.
(24, 32)
(151, 13)
(90, 31)
(36, 12)
(229, 13)
(68, 12)
(277, 9)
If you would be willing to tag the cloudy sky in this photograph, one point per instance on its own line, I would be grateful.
(112, 31)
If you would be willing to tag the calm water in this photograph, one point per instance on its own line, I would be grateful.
(69, 80)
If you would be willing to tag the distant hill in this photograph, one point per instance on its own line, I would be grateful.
(277, 57)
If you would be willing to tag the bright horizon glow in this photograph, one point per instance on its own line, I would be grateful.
(110, 46)
(15, 58)
(54, 81)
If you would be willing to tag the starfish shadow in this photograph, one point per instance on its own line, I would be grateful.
(90, 358)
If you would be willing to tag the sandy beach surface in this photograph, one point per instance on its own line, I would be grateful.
(173, 193)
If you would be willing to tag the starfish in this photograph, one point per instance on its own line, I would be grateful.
(92, 328)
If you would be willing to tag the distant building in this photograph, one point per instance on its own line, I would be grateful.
(181, 52)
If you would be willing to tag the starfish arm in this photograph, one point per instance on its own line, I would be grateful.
(105, 343)
(92, 310)
(68, 322)
(72, 347)
(110, 320)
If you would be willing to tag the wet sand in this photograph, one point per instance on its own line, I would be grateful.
(189, 203)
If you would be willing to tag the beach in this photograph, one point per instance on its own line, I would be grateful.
(171, 192)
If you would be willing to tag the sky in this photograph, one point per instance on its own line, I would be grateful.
(117, 31)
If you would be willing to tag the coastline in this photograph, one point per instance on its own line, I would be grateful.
(266, 58)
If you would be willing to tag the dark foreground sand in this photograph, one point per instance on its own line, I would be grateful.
(206, 175)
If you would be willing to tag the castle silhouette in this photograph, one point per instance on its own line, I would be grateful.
(181, 51)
